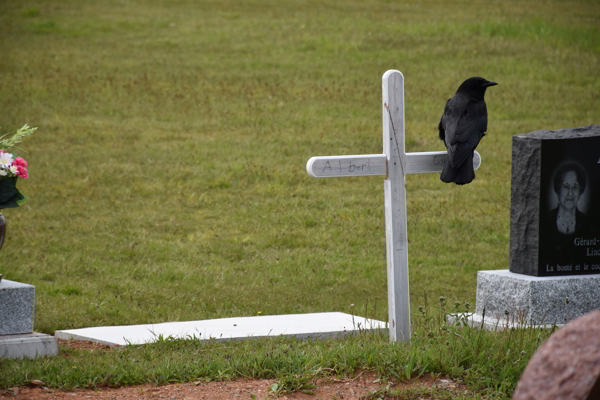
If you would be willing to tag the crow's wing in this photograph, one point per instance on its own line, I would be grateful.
(442, 124)
(465, 122)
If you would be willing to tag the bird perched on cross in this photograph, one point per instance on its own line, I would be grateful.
(463, 124)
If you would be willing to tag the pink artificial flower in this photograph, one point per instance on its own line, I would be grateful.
(22, 171)
(20, 161)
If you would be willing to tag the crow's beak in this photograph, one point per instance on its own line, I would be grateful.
(489, 83)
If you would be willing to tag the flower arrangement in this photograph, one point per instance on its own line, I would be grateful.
(12, 168)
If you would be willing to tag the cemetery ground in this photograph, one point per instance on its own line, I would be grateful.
(167, 178)
(442, 362)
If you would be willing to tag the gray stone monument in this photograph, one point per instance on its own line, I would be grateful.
(17, 313)
(554, 259)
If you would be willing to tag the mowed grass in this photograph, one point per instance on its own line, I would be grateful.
(167, 176)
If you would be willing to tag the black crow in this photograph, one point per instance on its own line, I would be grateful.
(462, 126)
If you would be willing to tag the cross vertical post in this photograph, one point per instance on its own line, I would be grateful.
(395, 207)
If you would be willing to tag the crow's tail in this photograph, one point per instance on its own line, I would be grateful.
(461, 176)
(448, 173)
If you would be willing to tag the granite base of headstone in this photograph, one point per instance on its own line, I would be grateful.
(554, 260)
(567, 365)
(508, 300)
(17, 313)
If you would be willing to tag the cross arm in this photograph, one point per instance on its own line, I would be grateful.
(360, 165)
(432, 161)
(376, 164)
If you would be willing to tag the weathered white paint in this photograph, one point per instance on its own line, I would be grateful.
(395, 207)
(334, 166)
(432, 161)
(376, 164)
(395, 164)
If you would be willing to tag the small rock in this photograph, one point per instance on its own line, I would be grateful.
(444, 383)
(37, 382)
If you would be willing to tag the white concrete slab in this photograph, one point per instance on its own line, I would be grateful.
(302, 326)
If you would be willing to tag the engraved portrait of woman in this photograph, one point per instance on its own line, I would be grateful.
(566, 221)
(569, 184)
(569, 200)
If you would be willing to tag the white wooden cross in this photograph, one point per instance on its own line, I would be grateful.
(394, 163)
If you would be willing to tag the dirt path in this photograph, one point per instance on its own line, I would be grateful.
(357, 388)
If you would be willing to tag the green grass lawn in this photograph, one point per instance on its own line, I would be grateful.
(168, 173)
(167, 176)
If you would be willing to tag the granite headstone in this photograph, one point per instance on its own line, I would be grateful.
(555, 216)
(17, 307)
(554, 254)
(17, 314)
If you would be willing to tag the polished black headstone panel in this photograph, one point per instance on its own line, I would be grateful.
(555, 212)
